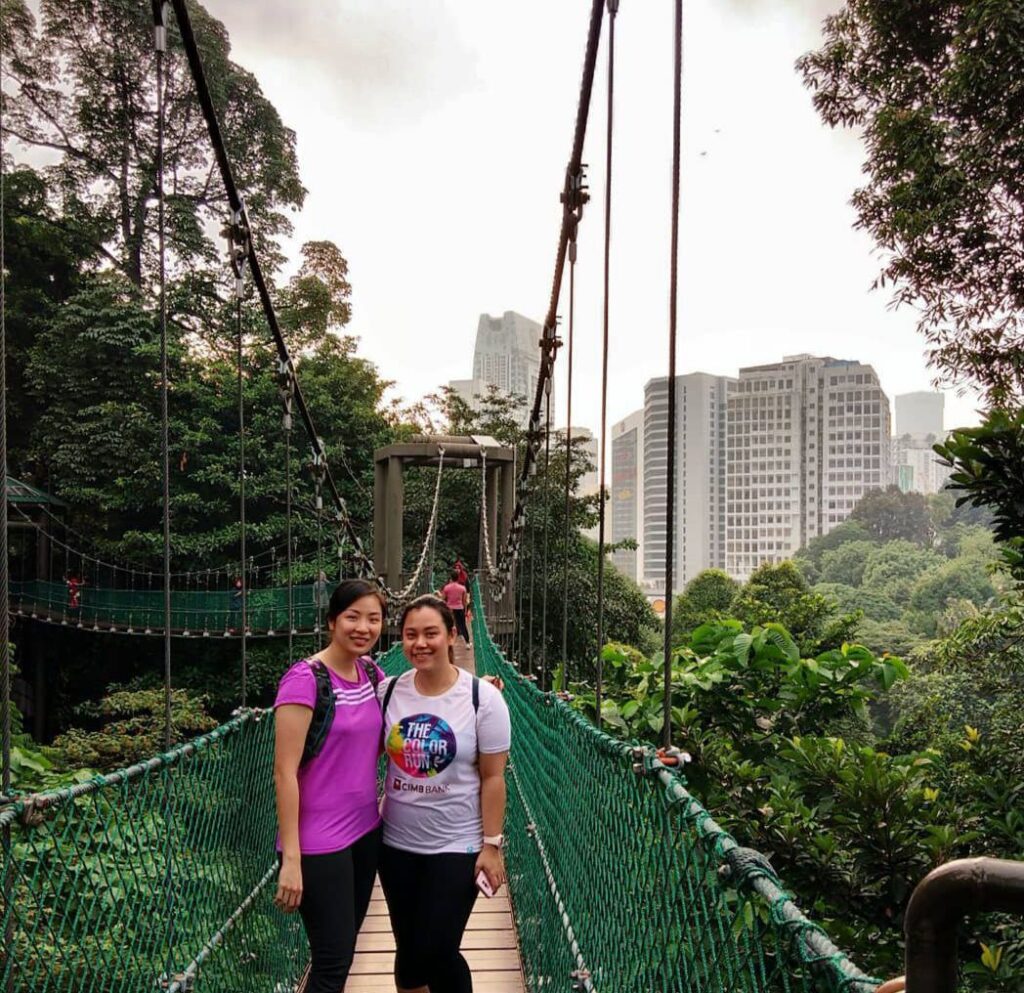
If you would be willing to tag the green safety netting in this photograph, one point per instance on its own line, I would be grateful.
(195, 612)
(159, 876)
(624, 881)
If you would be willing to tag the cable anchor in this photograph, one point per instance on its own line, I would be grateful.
(239, 236)
(286, 389)
(649, 761)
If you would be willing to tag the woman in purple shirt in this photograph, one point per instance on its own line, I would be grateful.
(327, 807)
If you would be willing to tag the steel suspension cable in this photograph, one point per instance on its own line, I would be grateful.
(547, 506)
(613, 9)
(241, 478)
(5, 648)
(288, 515)
(160, 44)
(259, 281)
(672, 316)
(533, 600)
(568, 467)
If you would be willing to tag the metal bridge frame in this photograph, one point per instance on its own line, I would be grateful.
(460, 451)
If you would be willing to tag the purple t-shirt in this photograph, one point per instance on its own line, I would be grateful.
(338, 788)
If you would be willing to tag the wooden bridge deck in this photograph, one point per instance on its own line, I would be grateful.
(489, 944)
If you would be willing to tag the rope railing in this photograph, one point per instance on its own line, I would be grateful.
(621, 881)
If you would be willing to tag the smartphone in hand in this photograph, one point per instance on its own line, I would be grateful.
(483, 884)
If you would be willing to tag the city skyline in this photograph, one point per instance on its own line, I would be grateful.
(766, 461)
(770, 262)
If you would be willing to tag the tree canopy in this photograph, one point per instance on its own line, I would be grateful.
(935, 87)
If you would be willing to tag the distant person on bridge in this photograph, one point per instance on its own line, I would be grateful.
(327, 742)
(456, 596)
(447, 736)
(461, 576)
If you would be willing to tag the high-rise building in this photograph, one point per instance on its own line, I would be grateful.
(915, 466)
(702, 403)
(920, 414)
(807, 437)
(507, 356)
(627, 493)
(589, 482)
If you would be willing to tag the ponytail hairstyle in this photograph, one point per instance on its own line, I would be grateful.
(431, 602)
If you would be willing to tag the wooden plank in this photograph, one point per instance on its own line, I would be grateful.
(484, 981)
(489, 939)
(483, 959)
(500, 921)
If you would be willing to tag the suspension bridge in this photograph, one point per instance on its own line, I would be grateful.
(161, 875)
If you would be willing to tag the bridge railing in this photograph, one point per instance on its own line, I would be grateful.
(142, 878)
(197, 612)
(624, 882)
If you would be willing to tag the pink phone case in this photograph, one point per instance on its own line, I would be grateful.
(483, 884)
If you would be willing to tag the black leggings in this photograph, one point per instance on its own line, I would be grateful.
(460, 624)
(430, 898)
(336, 890)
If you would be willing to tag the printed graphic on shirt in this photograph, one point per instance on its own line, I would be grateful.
(422, 745)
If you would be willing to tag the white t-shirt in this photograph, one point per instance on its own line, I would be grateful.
(432, 791)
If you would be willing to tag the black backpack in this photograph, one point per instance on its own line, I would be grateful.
(324, 707)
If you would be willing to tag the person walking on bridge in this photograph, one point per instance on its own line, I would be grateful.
(327, 742)
(456, 596)
(447, 737)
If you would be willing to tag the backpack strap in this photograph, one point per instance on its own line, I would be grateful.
(387, 696)
(372, 672)
(476, 695)
(323, 712)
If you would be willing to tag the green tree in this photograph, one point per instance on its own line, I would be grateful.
(845, 564)
(893, 568)
(934, 590)
(853, 599)
(934, 88)
(778, 594)
(707, 597)
(986, 463)
(890, 514)
(44, 263)
(81, 85)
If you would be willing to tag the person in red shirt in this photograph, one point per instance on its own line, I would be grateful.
(456, 597)
(74, 591)
(461, 576)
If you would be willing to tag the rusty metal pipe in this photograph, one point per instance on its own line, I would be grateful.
(940, 902)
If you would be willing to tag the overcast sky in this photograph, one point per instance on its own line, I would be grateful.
(433, 137)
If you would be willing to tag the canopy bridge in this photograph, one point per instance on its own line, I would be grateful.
(161, 876)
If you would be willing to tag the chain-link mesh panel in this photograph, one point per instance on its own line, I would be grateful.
(622, 879)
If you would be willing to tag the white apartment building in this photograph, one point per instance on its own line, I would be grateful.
(915, 466)
(702, 405)
(920, 414)
(507, 356)
(807, 437)
(627, 492)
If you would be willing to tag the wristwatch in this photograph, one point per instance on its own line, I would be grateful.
(497, 840)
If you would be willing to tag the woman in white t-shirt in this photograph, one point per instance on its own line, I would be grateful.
(447, 737)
